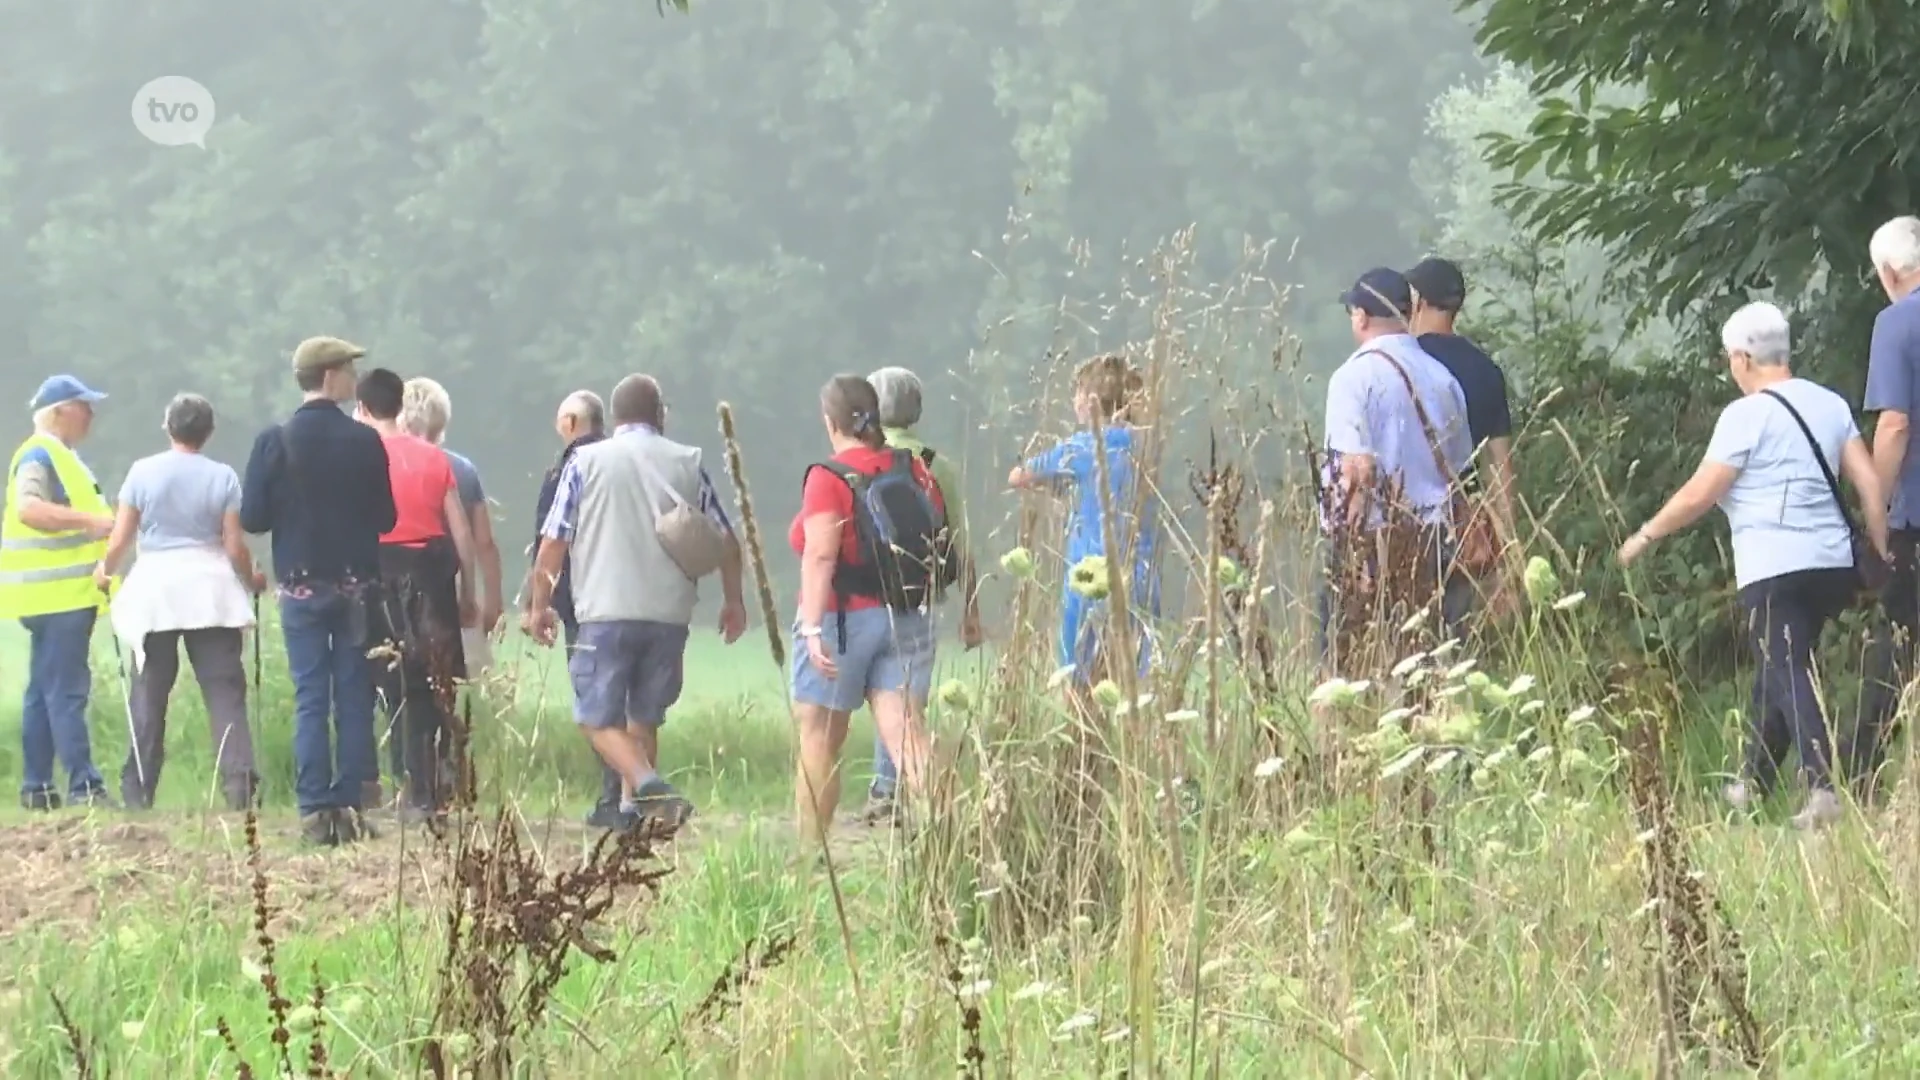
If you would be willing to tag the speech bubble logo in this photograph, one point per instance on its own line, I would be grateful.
(173, 110)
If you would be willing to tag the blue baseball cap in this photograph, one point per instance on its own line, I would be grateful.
(61, 389)
(1381, 292)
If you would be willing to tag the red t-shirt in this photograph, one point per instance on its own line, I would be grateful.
(420, 476)
(826, 493)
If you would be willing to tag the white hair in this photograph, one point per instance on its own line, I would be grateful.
(425, 409)
(43, 418)
(1760, 330)
(586, 406)
(1895, 246)
(899, 392)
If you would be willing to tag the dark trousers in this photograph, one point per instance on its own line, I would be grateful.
(416, 619)
(1889, 664)
(1785, 615)
(218, 666)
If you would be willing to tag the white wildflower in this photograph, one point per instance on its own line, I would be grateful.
(1569, 601)
(1268, 768)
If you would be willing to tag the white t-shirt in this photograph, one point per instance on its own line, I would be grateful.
(1782, 512)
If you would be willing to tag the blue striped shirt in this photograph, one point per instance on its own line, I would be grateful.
(563, 517)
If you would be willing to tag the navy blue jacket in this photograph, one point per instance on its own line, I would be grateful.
(327, 507)
(549, 490)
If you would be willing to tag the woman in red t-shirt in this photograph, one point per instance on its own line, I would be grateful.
(851, 649)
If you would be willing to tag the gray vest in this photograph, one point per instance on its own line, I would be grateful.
(620, 572)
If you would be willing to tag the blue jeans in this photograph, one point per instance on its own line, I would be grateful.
(53, 715)
(326, 636)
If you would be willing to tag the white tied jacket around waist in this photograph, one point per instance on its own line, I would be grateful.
(190, 588)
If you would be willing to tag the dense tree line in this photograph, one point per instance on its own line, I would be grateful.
(523, 196)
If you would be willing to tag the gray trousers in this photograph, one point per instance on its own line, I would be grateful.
(216, 656)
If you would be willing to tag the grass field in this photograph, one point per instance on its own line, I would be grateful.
(1504, 893)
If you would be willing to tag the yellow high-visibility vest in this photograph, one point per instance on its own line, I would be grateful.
(45, 573)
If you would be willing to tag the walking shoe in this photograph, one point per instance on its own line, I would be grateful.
(1823, 808)
(318, 829)
(609, 816)
(352, 827)
(40, 800)
(97, 799)
(881, 809)
(656, 800)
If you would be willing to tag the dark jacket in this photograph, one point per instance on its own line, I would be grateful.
(328, 505)
(550, 490)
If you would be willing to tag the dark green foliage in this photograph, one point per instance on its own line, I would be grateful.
(1772, 141)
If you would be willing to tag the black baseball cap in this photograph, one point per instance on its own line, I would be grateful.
(1439, 283)
(1381, 292)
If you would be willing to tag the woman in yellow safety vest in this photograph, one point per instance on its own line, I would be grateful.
(54, 531)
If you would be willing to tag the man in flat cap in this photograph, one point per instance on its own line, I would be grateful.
(55, 530)
(318, 483)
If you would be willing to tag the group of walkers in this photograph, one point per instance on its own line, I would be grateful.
(388, 583)
(1417, 413)
(388, 577)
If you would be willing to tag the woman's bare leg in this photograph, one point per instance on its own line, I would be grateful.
(817, 782)
(902, 722)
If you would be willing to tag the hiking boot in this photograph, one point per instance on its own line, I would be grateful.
(317, 829)
(40, 800)
(1823, 808)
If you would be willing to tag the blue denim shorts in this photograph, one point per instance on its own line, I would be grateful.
(626, 672)
(886, 651)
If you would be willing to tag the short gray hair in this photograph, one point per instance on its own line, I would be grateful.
(587, 407)
(190, 420)
(899, 392)
(1761, 331)
(1896, 246)
(425, 409)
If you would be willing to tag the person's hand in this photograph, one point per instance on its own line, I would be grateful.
(971, 634)
(469, 613)
(733, 621)
(541, 626)
(101, 528)
(101, 578)
(1635, 546)
(821, 659)
(259, 582)
(490, 616)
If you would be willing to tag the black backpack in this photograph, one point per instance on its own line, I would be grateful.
(906, 558)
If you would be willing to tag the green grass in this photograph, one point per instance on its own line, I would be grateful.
(1296, 927)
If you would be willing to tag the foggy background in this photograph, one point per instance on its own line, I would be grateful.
(524, 197)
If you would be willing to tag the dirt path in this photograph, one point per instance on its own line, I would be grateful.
(68, 871)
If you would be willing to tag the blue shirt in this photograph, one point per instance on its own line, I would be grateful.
(37, 460)
(466, 477)
(1782, 512)
(563, 516)
(1369, 411)
(1893, 374)
(1072, 464)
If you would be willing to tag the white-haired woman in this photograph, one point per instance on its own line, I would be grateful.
(425, 411)
(190, 583)
(1771, 467)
